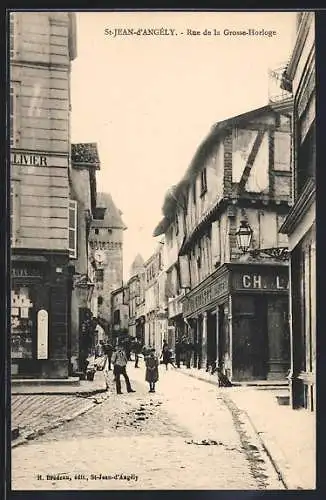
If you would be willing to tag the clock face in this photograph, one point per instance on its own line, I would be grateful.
(99, 256)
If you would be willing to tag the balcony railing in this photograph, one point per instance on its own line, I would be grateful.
(276, 94)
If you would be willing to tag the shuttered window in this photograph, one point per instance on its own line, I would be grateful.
(73, 229)
(282, 151)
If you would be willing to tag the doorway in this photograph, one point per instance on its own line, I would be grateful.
(250, 338)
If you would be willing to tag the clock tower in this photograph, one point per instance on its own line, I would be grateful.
(106, 247)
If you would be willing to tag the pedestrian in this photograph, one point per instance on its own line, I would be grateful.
(151, 375)
(127, 347)
(189, 349)
(167, 355)
(108, 351)
(178, 349)
(137, 348)
(120, 360)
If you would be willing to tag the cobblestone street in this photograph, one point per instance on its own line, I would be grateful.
(186, 436)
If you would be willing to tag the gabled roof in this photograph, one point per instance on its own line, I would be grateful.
(112, 215)
(202, 152)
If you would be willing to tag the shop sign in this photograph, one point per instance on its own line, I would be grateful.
(25, 272)
(205, 296)
(29, 159)
(42, 334)
(257, 281)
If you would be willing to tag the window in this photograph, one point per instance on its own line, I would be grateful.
(203, 181)
(13, 34)
(306, 159)
(73, 229)
(116, 317)
(96, 231)
(99, 275)
(194, 193)
(12, 219)
(14, 211)
(21, 323)
(176, 224)
(14, 113)
(99, 301)
(282, 151)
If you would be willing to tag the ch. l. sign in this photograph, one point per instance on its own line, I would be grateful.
(42, 334)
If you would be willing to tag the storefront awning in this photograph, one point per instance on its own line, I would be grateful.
(28, 258)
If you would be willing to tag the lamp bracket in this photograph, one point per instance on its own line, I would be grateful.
(278, 253)
(81, 281)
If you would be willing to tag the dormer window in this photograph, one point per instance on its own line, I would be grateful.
(203, 182)
(99, 213)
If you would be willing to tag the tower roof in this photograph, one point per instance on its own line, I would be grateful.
(137, 265)
(112, 215)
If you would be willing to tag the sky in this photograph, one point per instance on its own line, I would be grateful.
(149, 101)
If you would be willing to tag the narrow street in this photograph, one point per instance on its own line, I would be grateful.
(187, 435)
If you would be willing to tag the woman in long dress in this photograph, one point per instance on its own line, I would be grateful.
(151, 375)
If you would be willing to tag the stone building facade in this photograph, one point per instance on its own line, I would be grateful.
(120, 312)
(42, 46)
(106, 243)
(82, 179)
(235, 305)
(300, 225)
(155, 300)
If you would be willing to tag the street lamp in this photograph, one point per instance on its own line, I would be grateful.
(85, 287)
(244, 236)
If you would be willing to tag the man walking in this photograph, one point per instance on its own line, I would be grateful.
(119, 360)
(178, 348)
(108, 351)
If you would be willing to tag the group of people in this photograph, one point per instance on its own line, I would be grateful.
(119, 359)
(119, 356)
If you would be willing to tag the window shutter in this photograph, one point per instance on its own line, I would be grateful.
(73, 229)
(282, 151)
(184, 271)
(215, 241)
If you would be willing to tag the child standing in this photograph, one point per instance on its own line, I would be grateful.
(151, 370)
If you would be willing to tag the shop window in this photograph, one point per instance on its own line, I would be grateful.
(73, 229)
(21, 324)
(203, 182)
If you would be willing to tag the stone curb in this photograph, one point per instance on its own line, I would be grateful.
(85, 393)
(281, 467)
(54, 424)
